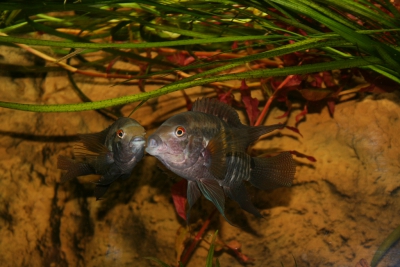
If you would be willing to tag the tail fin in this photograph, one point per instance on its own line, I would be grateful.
(73, 168)
(273, 172)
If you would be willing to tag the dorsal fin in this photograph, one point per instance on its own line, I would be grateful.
(219, 109)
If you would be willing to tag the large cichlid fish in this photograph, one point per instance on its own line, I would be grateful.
(208, 145)
(111, 153)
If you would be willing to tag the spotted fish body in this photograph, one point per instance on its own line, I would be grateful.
(207, 146)
(111, 153)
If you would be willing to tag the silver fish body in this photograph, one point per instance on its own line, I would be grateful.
(111, 153)
(208, 147)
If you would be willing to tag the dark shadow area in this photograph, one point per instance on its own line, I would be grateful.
(42, 138)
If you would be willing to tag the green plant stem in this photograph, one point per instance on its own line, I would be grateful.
(338, 64)
(188, 253)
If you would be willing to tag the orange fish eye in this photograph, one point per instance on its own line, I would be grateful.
(120, 133)
(180, 131)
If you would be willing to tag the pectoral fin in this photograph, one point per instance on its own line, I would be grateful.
(193, 194)
(214, 193)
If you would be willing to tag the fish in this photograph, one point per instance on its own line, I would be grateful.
(111, 153)
(208, 146)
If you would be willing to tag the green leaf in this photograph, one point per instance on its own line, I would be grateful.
(209, 261)
(390, 240)
(69, 44)
(163, 264)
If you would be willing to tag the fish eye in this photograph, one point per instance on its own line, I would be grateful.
(180, 131)
(120, 133)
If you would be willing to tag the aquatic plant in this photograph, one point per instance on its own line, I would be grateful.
(316, 51)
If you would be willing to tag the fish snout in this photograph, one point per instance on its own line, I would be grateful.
(138, 141)
(153, 143)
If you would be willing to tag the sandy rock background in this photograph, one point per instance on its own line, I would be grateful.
(338, 211)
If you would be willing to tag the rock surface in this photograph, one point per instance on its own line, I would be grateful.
(338, 211)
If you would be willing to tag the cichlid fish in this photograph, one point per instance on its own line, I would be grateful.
(207, 146)
(111, 153)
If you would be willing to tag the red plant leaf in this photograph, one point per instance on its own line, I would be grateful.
(142, 85)
(314, 94)
(315, 80)
(290, 59)
(177, 58)
(295, 80)
(294, 129)
(331, 106)
(250, 103)
(188, 61)
(189, 102)
(179, 196)
(234, 45)
(328, 79)
(225, 97)
(301, 114)
(288, 105)
(301, 155)
(111, 64)
(379, 83)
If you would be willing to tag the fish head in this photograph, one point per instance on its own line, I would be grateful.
(126, 136)
(176, 143)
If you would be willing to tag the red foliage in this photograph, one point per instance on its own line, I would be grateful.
(225, 97)
(302, 114)
(189, 102)
(180, 59)
(294, 129)
(301, 155)
(378, 83)
(250, 103)
(179, 196)
(234, 45)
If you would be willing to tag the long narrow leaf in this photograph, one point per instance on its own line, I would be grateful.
(339, 64)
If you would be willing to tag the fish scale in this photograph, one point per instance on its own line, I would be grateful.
(208, 147)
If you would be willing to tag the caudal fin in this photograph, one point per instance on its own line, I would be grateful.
(73, 168)
(273, 172)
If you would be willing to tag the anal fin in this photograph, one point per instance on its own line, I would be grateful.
(239, 194)
(100, 190)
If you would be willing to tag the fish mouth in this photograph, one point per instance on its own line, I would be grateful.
(153, 143)
(137, 141)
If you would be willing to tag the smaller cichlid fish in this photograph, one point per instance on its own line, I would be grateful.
(111, 153)
(208, 147)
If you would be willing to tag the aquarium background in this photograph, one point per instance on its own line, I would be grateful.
(339, 209)
(327, 69)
